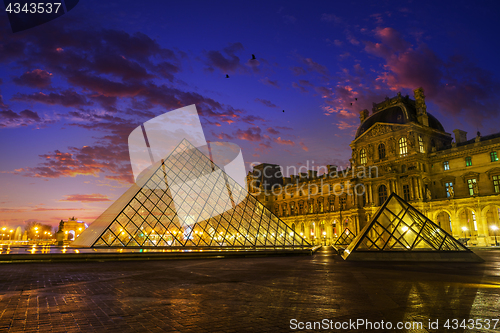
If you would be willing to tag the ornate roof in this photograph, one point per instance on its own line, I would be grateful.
(399, 110)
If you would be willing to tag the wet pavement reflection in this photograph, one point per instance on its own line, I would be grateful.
(245, 294)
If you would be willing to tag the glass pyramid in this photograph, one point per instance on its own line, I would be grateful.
(187, 201)
(345, 238)
(398, 226)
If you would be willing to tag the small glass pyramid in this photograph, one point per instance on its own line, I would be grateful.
(345, 238)
(187, 201)
(398, 226)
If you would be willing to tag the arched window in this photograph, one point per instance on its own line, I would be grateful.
(302, 229)
(382, 194)
(331, 201)
(403, 147)
(362, 156)
(381, 151)
(293, 227)
(403, 168)
(421, 144)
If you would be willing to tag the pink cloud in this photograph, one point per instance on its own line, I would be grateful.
(281, 141)
(251, 134)
(37, 78)
(455, 85)
(95, 197)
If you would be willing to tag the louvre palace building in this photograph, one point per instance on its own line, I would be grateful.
(398, 148)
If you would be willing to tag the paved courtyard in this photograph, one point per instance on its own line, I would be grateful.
(245, 295)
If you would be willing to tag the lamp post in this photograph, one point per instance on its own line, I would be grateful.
(464, 230)
(495, 228)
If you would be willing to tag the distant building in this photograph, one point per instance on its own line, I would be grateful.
(400, 148)
(69, 230)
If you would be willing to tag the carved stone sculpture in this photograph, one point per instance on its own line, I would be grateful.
(451, 192)
(428, 194)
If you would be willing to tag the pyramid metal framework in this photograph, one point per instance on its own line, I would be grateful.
(217, 213)
(399, 227)
(345, 238)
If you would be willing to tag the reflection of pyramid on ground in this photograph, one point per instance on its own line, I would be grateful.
(215, 211)
(344, 239)
(400, 232)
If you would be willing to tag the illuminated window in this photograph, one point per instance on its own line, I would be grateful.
(332, 203)
(446, 165)
(494, 156)
(406, 192)
(342, 202)
(311, 207)
(496, 183)
(468, 161)
(449, 188)
(382, 194)
(381, 151)
(471, 184)
(362, 156)
(403, 147)
(421, 144)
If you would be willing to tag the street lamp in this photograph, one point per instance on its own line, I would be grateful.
(495, 228)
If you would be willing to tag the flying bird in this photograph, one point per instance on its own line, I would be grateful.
(227, 76)
(351, 103)
(283, 110)
(356, 98)
(253, 57)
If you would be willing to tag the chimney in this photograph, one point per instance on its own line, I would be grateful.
(331, 168)
(460, 136)
(312, 174)
(363, 115)
(421, 107)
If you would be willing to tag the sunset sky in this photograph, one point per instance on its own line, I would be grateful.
(73, 89)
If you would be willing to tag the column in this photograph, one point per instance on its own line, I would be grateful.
(483, 229)
(412, 192)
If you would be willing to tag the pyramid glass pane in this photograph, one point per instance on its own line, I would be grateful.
(397, 226)
(188, 201)
(345, 238)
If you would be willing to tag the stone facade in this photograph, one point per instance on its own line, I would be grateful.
(399, 148)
